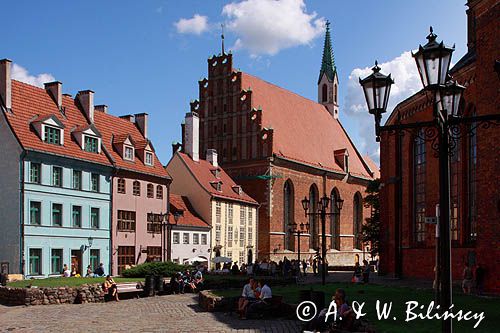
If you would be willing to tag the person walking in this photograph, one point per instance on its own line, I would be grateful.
(467, 279)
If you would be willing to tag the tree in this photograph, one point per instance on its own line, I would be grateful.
(371, 229)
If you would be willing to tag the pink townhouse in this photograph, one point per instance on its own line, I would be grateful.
(140, 191)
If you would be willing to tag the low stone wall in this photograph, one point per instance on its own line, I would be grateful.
(213, 303)
(46, 296)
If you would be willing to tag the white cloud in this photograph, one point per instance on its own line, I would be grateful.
(21, 74)
(195, 25)
(406, 82)
(263, 28)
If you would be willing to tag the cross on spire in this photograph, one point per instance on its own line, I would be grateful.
(222, 36)
(328, 61)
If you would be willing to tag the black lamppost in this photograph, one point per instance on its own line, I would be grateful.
(322, 207)
(164, 218)
(298, 229)
(433, 62)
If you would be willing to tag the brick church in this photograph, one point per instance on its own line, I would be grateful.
(282, 147)
(474, 169)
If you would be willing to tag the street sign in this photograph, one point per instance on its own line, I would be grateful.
(431, 220)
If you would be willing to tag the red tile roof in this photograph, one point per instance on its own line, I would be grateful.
(110, 125)
(189, 216)
(303, 130)
(202, 171)
(33, 103)
(28, 103)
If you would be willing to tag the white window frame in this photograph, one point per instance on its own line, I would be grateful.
(125, 156)
(149, 161)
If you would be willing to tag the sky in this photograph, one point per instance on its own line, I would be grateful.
(147, 56)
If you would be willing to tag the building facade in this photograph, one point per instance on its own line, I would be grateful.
(231, 213)
(140, 190)
(282, 147)
(190, 235)
(81, 186)
(474, 169)
(56, 192)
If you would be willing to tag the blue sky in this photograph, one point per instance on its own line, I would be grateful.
(139, 57)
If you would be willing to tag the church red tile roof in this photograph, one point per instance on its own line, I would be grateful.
(189, 216)
(202, 171)
(30, 103)
(303, 130)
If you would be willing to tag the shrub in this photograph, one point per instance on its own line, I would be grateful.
(155, 268)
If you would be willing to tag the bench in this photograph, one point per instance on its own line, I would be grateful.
(129, 288)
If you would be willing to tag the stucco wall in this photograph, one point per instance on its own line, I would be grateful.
(66, 237)
(142, 205)
(10, 235)
(181, 251)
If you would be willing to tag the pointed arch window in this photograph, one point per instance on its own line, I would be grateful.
(471, 182)
(313, 219)
(334, 220)
(419, 162)
(357, 220)
(288, 214)
(324, 93)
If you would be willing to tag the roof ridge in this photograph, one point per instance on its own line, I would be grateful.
(286, 90)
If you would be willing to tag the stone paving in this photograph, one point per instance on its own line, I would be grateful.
(171, 313)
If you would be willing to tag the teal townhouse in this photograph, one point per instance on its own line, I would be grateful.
(55, 180)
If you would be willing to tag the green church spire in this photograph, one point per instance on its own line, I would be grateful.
(328, 62)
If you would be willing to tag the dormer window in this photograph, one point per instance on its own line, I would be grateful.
(49, 129)
(149, 158)
(217, 185)
(237, 189)
(52, 135)
(216, 173)
(91, 144)
(128, 153)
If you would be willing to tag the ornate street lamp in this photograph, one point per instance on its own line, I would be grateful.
(448, 98)
(322, 212)
(433, 62)
(298, 229)
(377, 88)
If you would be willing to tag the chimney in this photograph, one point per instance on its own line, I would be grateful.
(101, 108)
(175, 147)
(192, 135)
(141, 121)
(86, 100)
(55, 91)
(212, 157)
(128, 117)
(5, 83)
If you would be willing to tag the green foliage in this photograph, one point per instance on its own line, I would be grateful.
(371, 229)
(155, 268)
(55, 282)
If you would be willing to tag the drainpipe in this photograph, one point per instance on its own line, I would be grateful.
(110, 242)
(21, 212)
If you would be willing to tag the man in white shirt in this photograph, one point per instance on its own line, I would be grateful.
(265, 293)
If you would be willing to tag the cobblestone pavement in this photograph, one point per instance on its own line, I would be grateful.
(172, 313)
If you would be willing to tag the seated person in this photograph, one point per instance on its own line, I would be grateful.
(66, 271)
(264, 301)
(110, 287)
(180, 283)
(247, 296)
(345, 315)
(198, 280)
(89, 272)
(99, 271)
